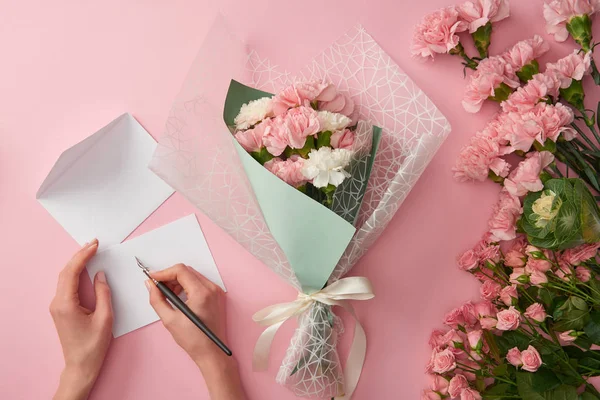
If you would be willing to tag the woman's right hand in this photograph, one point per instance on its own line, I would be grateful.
(207, 301)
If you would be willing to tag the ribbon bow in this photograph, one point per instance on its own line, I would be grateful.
(336, 294)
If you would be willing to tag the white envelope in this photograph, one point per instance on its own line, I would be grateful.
(181, 241)
(101, 187)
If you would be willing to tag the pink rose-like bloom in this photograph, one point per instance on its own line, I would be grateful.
(558, 13)
(525, 177)
(437, 33)
(437, 338)
(429, 394)
(452, 338)
(468, 260)
(443, 361)
(583, 274)
(474, 337)
(525, 51)
(490, 73)
(454, 318)
(470, 394)
(539, 265)
(514, 357)
(538, 278)
(440, 385)
(531, 359)
(490, 290)
(514, 259)
(469, 314)
(508, 293)
(488, 323)
(301, 94)
(289, 171)
(577, 255)
(343, 139)
(567, 337)
(508, 320)
(572, 67)
(457, 384)
(517, 272)
(478, 13)
(485, 309)
(536, 312)
(506, 212)
(341, 104)
(528, 96)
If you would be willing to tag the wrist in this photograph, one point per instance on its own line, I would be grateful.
(215, 363)
(75, 384)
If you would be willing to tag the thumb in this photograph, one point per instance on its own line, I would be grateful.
(103, 299)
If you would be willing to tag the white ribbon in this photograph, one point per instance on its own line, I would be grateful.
(336, 294)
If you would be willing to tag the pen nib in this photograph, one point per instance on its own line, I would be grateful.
(143, 267)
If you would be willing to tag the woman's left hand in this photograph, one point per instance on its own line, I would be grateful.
(84, 334)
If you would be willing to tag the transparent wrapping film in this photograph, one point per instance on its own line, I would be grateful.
(196, 156)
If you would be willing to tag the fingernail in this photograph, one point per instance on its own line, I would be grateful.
(147, 283)
(101, 277)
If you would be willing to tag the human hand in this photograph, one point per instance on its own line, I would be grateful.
(207, 301)
(84, 334)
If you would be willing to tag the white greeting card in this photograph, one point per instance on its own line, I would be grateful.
(181, 241)
(101, 187)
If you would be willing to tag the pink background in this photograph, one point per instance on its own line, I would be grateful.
(69, 67)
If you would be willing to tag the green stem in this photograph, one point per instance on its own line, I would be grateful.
(584, 136)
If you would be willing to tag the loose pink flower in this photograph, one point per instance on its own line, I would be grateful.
(341, 104)
(526, 177)
(514, 259)
(558, 13)
(531, 359)
(536, 312)
(478, 13)
(514, 357)
(437, 338)
(508, 320)
(470, 394)
(485, 309)
(289, 171)
(539, 88)
(454, 318)
(490, 74)
(506, 212)
(343, 139)
(443, 361)
(487, 251)
(525, 51)
(579, 254)
(479, 157)
(469, 314)
(440, 385)
(508, 293)
(567, 336)
(490, 290)
(457, 384)
(488, 323)
(538, 278)
(468, 260)
(583, 274)
(301, 94)
(539, 265)
(437, 33)
(516, 274)
(572, 67)
(452, 338)
(429, 394)
(474, 338)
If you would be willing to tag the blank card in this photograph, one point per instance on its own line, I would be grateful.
(181, 241)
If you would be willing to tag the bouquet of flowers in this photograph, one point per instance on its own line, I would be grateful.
(297, 170)
(531, 335)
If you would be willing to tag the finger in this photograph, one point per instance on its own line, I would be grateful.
(205, 281)
(68, 280)
(181, 274)
(159, 302)
(103, 310)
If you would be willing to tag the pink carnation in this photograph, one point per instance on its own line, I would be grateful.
(301, 94)
(341, 104)
(490, 290)
(506, 212)
(577, 255)
(536, 312)
(531, 359)
(490, 74)
(478, 13)
(289, 171)
(508, 320)
(437, 33)
(508, 293)
(525, 51)
(537, 89)
(478, 158)
(572, 67)
(300, 123)
(252, 139)
(526, 177)
(558, 13)
(457, 384)
(343, 139)
(514, 259)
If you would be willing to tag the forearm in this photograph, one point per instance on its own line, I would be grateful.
(73, 386)
(222, 378)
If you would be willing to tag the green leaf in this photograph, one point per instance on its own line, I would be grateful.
(528, 71)
(497, 391)
(481, 38)
(543, 380)
(563, 393)
(567, 222)
(584, 342)
(501, 370)
(545, 296)
(574, 314)
(262, 156)
(588, 396)
(592, 329)
(512, 339)
(525, 388)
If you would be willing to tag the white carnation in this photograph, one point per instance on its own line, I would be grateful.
(253, 112)
(326, 166)
(333, 121)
